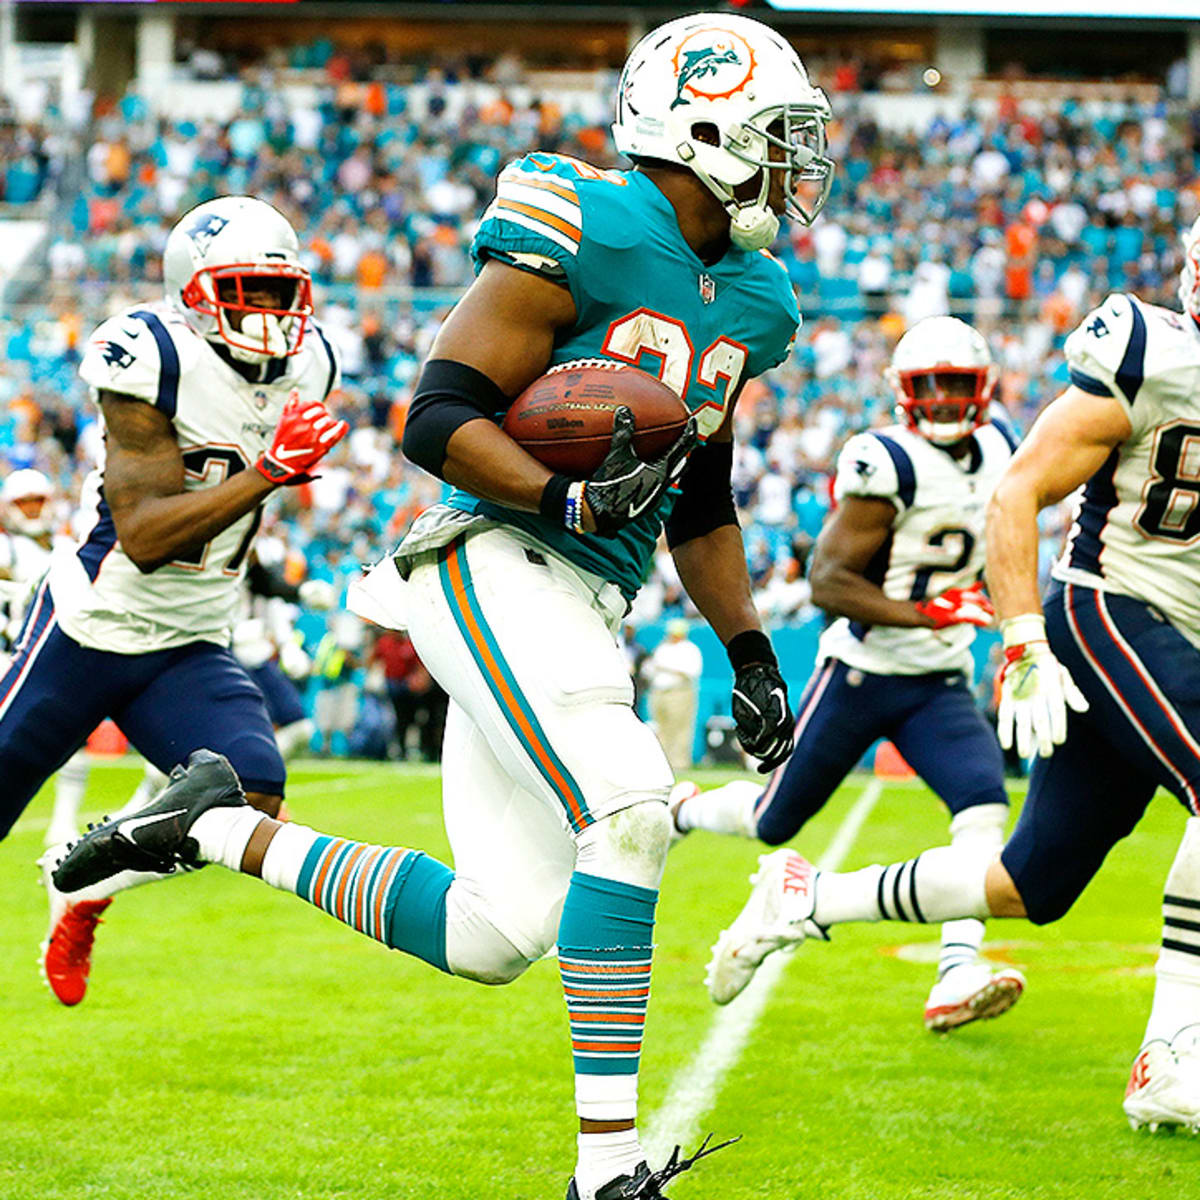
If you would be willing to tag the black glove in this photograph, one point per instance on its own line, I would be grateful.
(760, 708)
(625, 486)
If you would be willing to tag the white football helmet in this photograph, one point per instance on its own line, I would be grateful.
(1189, 279)
(943, 377)
(26, 496)
(729, 79)
(213, 260)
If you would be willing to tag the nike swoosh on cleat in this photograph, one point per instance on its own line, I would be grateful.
(132, 824)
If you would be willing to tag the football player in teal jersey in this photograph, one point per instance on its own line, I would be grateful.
(554, 791)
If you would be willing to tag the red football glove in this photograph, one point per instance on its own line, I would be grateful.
(959, 606)
(306, 432)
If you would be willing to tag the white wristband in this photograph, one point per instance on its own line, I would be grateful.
(1027, 627)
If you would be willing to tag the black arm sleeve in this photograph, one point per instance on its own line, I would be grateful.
(706, 497)
(448, 394)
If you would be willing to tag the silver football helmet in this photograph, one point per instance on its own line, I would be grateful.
(943, 378)
(217, 260)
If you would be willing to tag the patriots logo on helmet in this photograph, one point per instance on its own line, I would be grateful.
(865, 469)
(708, 61)
(115, 354)
(205, 228)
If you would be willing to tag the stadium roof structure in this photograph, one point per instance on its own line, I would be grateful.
(1173, 10)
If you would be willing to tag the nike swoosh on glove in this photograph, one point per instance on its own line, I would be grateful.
(306, 432)
(959, 606)
(626, 486)
(762, 717)
(1035, 690)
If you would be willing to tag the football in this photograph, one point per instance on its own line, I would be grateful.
(565, 417)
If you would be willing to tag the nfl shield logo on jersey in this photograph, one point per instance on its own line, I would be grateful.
(708, 289)
(260, 399)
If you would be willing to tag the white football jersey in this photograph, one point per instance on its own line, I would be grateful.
(222, 423)
(936, 541)
(1138, 527)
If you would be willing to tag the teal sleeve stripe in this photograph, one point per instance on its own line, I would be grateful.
(415, 909)
(304, 882)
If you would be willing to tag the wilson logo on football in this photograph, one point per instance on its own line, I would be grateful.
(713, 64)
(797, 877)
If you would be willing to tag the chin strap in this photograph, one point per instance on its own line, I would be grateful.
(752, 226)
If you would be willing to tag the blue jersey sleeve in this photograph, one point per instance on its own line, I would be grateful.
(535, 221)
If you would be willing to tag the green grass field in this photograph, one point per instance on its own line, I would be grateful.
(238, 1045)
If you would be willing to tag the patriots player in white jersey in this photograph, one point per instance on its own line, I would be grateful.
(1117, 642)
(899, 565)
(210, 401)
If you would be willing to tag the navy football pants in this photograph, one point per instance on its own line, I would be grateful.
(1141, 678)
(932, 719)
(167, 703)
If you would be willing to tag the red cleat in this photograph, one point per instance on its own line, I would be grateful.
(67, 952)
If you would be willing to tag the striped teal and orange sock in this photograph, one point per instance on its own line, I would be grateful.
(605, 945)
(394, 895)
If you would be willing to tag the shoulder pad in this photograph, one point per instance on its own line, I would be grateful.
(536, 211)
(875, 465)
(770, 287)
(134, 354)
(1106, 354)
(327, 363)
(999, 420)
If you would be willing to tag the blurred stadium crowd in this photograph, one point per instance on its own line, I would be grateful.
(1015, 216)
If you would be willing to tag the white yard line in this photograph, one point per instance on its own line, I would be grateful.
(695, 1089)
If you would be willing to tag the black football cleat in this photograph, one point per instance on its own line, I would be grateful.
(645, 1184)
(155, 837)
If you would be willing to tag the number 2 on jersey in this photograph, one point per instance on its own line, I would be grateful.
(223, 461)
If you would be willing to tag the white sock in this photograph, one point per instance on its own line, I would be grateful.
(942, 884)
(1177, 973)
(603, 1157)
(979, 829)
(284, 859)
(961, 941)
(223, 834)
(69, 786)
(726, 809)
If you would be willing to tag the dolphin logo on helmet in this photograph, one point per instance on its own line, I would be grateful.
(698, 64)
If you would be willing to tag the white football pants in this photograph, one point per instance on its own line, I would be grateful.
(541, 741)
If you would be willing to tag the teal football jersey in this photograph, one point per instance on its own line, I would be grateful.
(642, 296)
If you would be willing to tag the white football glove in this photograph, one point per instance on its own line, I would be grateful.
(1035, 689)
